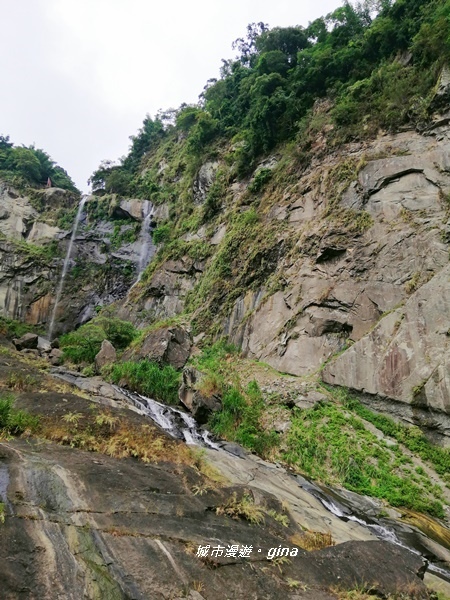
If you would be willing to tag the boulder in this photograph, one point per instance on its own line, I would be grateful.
(198, 404)
(44, 345)
(28, 341)
(106, 356)
(56, 357)
(165, 346)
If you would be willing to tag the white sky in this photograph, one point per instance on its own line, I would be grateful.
(77, 77)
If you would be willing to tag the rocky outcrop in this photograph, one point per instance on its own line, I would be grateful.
(144, 545)
(200, 405)
(165, 346)
(103, 266)
(106, 355)
(165, 292)
(27, 341)
(405, 358)
(345, 278)
(204, 180)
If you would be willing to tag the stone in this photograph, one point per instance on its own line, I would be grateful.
(31, 352)
(27, 341)
(106, 356)
(56, 356)
(194, 400)
(42, 231)
(165, 346)
(204, 180)
(44, 345)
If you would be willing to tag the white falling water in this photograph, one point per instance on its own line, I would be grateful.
(146, 238)
(176, 422)
(66, 266)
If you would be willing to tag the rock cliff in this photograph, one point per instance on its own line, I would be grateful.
(348, 256)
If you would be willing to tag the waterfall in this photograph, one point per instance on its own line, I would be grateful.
(147, 247)
(66, 265)
(176, 422)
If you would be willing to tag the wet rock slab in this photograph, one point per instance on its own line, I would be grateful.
(82, 525)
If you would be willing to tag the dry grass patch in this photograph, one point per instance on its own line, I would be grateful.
(116, 437)
(243, 508)
(20, 382)
(312, 540)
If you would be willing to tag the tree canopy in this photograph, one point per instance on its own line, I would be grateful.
(376, 60)
(22, 166)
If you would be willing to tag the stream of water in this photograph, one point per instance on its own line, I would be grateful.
(176, 422)
(182, 426)
(66, 266)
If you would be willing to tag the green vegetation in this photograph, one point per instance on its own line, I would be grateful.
(125, 232)
(329, 443)
(81, 345)
(411, 437)
(40, 254)
(12, 421)
(243, 260)
(356, 55)
(23, 167)
(10, 328)
(148, 379)
(240, 418)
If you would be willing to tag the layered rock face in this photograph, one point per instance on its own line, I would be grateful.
(344, 281)
(34, 238)
(358, 235)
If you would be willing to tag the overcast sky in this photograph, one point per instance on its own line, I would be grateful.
(78, 76)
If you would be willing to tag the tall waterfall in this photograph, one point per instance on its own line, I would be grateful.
(147, 248)
(66, 265)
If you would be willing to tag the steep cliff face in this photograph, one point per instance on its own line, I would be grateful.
(35, 230)
(305, 265)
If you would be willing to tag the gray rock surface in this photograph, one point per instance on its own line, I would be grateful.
(106, 355)
(193, 399)
(56, 356)
(405, 358)
(204, 180)
(29, 341)
(166, 346)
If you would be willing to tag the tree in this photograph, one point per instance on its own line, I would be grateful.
(247, 46)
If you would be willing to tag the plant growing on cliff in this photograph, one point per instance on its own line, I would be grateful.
(13, 421)
(329, 445)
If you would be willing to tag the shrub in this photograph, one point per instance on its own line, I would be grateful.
(162, 233)
(82, 345)
(259, 181)
(15, 422)
(240, 419)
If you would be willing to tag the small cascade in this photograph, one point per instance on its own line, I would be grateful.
(177, 423)
(66, 265)
(147, 247)
(386, 529)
